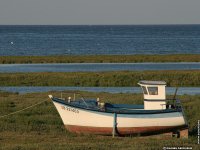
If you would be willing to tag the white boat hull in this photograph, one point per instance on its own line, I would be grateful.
(87, 121)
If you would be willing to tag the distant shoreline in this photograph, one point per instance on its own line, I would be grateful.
(100, 59)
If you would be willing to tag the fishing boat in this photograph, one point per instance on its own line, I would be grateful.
(158, 115)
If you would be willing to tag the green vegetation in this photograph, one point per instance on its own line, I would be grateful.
(124, 78)
(99, 59)
(40, 128)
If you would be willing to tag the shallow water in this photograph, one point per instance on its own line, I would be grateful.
(33, 89)
(95, 67)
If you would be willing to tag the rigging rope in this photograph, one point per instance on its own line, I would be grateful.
(23, 109)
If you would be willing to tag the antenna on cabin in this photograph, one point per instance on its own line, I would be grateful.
(175, 93)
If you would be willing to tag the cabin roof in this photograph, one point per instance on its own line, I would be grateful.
(152, 82)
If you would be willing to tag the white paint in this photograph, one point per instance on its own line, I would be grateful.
(50, 96)
(93, 119)
(156, 104)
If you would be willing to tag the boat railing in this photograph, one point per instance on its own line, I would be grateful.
(173, 104)
(82, 98)
(99, 105)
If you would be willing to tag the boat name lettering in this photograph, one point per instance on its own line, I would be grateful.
(70, 109)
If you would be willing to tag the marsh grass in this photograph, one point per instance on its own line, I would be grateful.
(41, 127)
(99, 59)
(115, 78)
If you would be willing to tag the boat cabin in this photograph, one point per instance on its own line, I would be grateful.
(154, 94)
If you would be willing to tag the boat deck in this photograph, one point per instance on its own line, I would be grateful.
(112, 108)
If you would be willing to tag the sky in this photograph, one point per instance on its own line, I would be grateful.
(94, 12)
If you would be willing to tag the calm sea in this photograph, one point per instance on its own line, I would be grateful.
(90, 40)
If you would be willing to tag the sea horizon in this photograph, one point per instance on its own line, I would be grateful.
(44, 40)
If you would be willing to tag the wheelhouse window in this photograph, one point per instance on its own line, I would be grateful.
(144, 90)
(153, 90)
